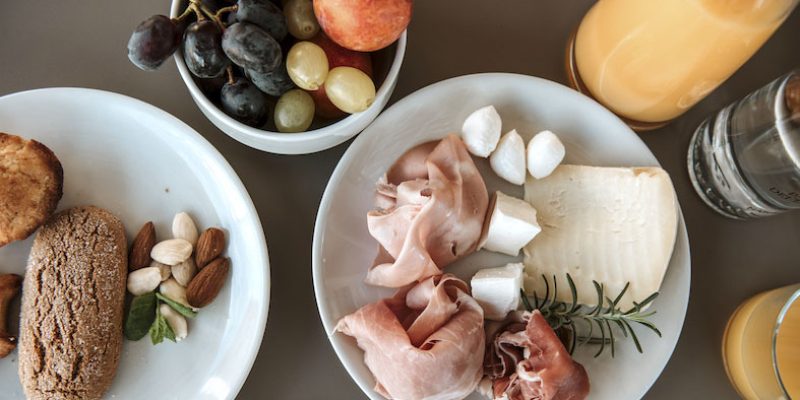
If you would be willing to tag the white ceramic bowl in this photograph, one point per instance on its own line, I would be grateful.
(143, 164)
(343, 249)
(294, 143)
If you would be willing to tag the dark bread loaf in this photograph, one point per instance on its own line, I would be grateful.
(72, 306)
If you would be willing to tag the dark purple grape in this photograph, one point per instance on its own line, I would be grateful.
(244, 102)
(274, 83)
(265, 14)
(153, 41)
(250, 47)
(211, 86)
(202, 49)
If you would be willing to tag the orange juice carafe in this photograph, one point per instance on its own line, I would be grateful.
(649, 61)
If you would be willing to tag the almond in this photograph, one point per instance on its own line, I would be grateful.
(139, 256)
(209, 246)
(184, 272)
(172, 251)
(183, 227)
(207, 283)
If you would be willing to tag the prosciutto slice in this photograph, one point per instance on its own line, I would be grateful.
(526, 361)
(431, 206)
(426, 342)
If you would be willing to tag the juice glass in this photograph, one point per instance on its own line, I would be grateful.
(650, 61)
(761, 345)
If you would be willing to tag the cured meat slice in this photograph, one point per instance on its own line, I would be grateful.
(426, 342)
(432, 203)
(526, 361)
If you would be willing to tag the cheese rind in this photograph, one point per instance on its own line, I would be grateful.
(610, 225)
(497, 290)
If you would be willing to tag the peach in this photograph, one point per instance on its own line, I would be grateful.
(363, 25)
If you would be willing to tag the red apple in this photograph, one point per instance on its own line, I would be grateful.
(363, 25)
(338, 56)
(323, 106)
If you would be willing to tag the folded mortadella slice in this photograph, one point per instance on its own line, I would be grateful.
(426, 342)
(427, 221)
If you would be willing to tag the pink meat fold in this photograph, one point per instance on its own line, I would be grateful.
(426, 342)
(432, 203)
(546, 372)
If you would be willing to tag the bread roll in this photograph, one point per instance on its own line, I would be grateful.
(72, 306)
(31, 181)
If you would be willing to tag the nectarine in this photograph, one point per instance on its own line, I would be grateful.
(363, 25)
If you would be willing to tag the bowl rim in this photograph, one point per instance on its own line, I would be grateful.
(334, 129)
(321, 224)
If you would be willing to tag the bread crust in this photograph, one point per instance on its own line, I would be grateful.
(31, 184)
(73, 305)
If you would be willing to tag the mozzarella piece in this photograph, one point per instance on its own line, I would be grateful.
(510, 225)
(610, 225)
(545, 152)
(508, 160)
(481, 131)
(497, 290)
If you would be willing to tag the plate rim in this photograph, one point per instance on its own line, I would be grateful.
(183, 129)
(325, 203)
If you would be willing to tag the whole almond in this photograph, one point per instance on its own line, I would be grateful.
(172, 251)
(184, 272)
(141, 247)
(209, 246)
(166, 270)
(183, 227)
(209, 281)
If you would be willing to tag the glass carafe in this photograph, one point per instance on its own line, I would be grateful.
(649, 61)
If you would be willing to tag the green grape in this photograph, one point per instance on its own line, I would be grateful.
(307, 65)
(294, 111)
(349, 89)
(300, 19)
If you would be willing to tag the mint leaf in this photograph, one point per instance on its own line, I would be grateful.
(158, 329)
(180, 308)
(141, 314)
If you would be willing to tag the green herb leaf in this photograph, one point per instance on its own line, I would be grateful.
(160, 329)
(180, 308)
(141, 315)
(605, 316)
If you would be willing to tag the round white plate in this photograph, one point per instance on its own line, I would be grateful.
(344, 250)
(143, 164)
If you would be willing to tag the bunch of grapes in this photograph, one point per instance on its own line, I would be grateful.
(236, 51)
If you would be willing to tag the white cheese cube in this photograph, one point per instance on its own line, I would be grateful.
(481, 131)
(509, 226)
(545, 153)
(497, 290)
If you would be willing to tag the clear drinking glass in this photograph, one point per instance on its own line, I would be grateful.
(650, 61)
(761, 346)
(744, 161)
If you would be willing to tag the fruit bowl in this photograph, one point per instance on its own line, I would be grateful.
(323, 134)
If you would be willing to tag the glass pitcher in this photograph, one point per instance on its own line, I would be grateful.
(650, 61)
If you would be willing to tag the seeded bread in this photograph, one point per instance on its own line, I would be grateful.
(31, 180)
(72, 306)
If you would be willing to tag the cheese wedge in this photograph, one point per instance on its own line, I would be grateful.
(610, 225)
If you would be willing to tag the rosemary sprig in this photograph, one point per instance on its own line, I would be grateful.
(606, 316)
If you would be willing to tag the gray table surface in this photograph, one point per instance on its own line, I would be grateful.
(82, 43)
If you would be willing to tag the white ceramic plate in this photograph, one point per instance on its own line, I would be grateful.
(344, 250)
(143, 164)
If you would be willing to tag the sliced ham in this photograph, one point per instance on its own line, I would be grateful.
(526, 361)
(426, 342)
(431, 207)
